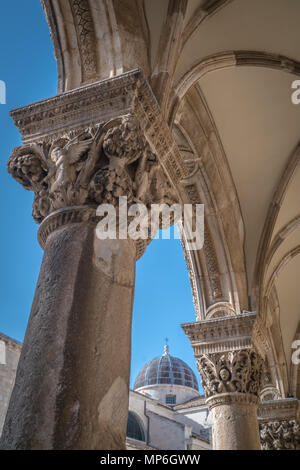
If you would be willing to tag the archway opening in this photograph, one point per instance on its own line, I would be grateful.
(163, 301)
(134, 428)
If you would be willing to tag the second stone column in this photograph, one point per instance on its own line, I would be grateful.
(229, 359)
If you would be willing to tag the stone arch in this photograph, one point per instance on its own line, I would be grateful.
(135, 427)
(279, 267)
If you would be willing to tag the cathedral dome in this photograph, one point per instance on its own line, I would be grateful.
(166, 370)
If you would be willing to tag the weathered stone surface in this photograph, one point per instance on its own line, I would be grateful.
(76, 353)
(229, 354)
(9, 356)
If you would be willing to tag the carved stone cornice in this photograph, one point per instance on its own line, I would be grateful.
(78, 109)
(229, 333)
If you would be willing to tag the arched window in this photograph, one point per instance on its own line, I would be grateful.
(134, 428)
(170, 399)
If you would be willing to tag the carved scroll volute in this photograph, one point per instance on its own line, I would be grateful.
(91, 167)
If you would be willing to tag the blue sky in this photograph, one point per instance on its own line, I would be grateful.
(163, 297)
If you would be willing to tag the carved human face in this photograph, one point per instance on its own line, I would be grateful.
(224, 374)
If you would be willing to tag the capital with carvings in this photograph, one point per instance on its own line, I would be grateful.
(279, 424)
(88, 147)
(229, 353)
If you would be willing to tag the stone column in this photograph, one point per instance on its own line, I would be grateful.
(73, 375)
(81, 149)
(229, 359)
(279, 424)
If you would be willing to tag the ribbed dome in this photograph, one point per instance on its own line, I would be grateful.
(166, 369)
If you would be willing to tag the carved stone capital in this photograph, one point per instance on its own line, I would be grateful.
(231, 372)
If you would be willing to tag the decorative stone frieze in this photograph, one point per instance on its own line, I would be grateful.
(231, 333)
(88, 147)
(86, 35)
(280, 435)
(279, 424)
(78, 109)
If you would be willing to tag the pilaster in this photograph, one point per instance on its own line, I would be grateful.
(279, 424)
